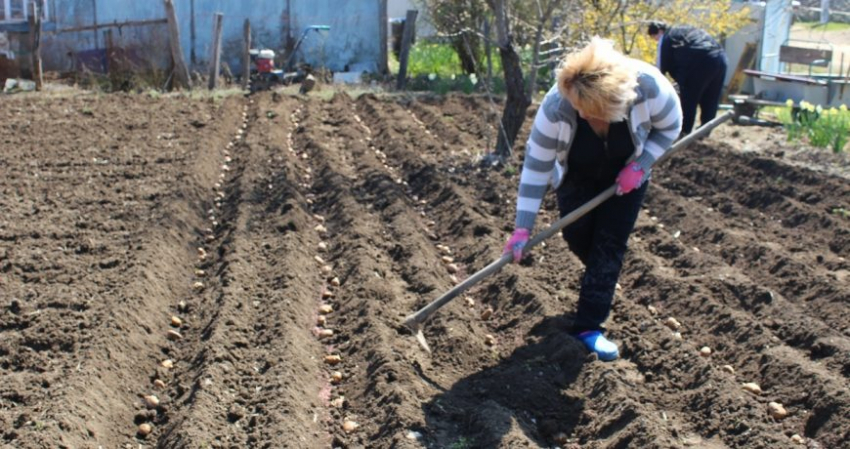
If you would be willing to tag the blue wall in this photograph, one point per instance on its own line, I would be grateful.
(354, 39)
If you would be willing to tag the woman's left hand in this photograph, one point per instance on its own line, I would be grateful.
(630, 178)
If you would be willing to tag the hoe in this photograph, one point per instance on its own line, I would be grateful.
(414, 322)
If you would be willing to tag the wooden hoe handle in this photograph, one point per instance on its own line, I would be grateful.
(414, 320)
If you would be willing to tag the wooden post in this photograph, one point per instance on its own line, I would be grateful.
(182, 72)
(215, 57)
(94, 22)
(192, 35)
(35, 40)
(289, 41)
(748, 56)
(383, 66)
(110, 51)
(246, 55)
(488, 50)
(406, 39)
(824, 12)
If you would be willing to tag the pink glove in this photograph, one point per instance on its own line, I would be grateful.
(630, 178)
(516, 243)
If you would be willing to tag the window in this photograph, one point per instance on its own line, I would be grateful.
(18, 10)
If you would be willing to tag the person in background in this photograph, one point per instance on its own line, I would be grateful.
(698, 65)
(607, 119)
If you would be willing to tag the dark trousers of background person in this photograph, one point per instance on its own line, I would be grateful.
(599, 239)
(701, 87)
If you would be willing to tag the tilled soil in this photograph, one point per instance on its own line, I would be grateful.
(250, 261)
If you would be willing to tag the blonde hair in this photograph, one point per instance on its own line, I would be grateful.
(599, 80)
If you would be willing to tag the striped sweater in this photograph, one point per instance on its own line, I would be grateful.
(655, 121)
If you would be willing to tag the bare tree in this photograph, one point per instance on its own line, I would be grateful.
(518, 100)
(544, 14)
(519, 93)
(518, 23)
(459, 21)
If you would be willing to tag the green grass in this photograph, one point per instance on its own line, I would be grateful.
(439, 59)
(462, 443)
(429, 58)
(435, 67)
(829, 26)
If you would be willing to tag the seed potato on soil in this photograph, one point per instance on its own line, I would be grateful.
(102, 215)
(144, 429)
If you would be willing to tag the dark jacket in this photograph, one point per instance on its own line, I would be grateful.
(685, 49)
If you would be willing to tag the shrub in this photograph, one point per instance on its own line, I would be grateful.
(823, 128)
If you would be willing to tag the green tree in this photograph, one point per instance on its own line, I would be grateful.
(626, 21)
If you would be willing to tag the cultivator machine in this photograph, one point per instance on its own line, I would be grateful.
(265, 76)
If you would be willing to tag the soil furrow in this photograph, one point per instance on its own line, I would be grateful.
(377, 382)
(736, 339)
(330, 221)
(764, 294)
(254, 380)
(106, 310)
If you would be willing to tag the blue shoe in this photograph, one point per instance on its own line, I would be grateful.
(596, 342)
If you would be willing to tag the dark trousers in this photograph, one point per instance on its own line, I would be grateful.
(701, 88)
(599, 239)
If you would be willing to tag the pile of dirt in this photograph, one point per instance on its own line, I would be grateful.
(289, 237)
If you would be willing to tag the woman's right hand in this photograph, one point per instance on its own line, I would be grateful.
(516, 243)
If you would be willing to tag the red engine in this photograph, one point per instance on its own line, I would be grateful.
(265, 61)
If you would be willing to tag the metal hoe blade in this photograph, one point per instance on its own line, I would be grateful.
(420, 337)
